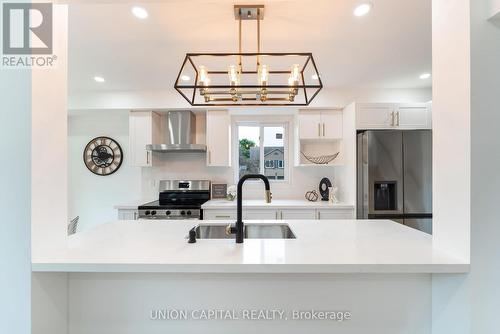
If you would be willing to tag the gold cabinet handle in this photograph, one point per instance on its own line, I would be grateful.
(281, 215)
(222, 216)
(319, 215)
(147, 157)
(397, 117)
(323, 129)
(392, 118)
(209, 157)
(319, 130)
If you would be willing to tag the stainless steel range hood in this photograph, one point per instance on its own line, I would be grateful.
(180, 134)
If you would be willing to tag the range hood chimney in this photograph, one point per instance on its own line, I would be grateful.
(180, 134)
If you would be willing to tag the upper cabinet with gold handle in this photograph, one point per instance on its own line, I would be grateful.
(405, 116)
(218, 138)
(144, 129)
(320, 124)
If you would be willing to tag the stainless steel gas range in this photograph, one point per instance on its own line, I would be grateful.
(178, 200)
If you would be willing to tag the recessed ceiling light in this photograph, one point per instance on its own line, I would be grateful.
(185, 78)
(99, 79)
(363, 9)
(314, 77)
(140, 12)
(425, 76)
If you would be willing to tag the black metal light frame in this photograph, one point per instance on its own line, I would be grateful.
(250, 101)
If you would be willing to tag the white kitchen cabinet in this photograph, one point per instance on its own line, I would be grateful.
(144, 129)
(332, 124)
(128, 214)
(257, 214)
(219, 214)
(218, 138)
(393, 116)
(320, 125)
(414, 116)
(375, 116)
(294, 214)
(279, 214)
(309, 125)
(336, 214)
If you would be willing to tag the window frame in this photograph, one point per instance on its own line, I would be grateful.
(262, 124)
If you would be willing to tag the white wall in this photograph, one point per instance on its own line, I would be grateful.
(121, 303)
(451, 126)
(15, 195)
(493, 9)
(49, 175)
(328, 97)
(91, 196)
(485, 179)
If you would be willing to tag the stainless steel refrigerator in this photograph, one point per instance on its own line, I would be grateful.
(394, 177)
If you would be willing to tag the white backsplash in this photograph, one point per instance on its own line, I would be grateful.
(193, 166)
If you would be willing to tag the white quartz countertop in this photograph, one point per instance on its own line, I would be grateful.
(133, 205)
(321, 246)
(278, 203)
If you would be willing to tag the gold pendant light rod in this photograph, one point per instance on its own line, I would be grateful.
(258, 36)
(239, 44)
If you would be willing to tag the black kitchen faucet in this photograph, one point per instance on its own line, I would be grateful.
(239, 227)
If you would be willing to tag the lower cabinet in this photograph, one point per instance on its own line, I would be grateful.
(128, 214)
(291, 214)
(336, 214)
(219, 214)
(277, 214)
(260, 214)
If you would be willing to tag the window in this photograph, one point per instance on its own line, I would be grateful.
(262, 150)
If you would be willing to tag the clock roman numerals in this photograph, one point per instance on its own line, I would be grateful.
(103, 156)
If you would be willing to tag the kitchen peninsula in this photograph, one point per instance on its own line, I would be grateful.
(321, 246)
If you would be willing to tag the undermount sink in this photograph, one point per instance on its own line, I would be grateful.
(252, 231)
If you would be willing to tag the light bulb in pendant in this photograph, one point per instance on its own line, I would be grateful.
(294, 73)
(234, 77)
(263, 75)
(203, 75)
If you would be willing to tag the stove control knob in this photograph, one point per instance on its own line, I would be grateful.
(188, 213)
(153, 213)
(168, 213)
(147, 213)
(183, 213)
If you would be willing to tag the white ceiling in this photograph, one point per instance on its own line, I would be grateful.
(389, 48)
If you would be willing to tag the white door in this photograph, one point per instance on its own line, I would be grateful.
(260, 214)
(144, 129)
(413, 116)
(331, 123)
(309, 125)
(290, 214)
(219, 214)
(375, 116)
(218, 138)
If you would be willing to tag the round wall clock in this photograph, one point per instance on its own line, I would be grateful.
(103, 156)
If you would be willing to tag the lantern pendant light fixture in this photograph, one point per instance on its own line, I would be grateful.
(249, 78)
